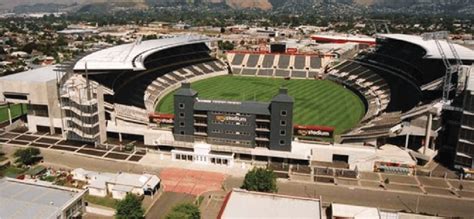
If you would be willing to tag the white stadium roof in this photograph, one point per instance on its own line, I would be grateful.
(132, 55)
(432, 51)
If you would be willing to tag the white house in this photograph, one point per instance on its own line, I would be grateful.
(117, 184)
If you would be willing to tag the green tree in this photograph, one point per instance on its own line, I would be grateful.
(184, 211)
(130, 207)
(27, 156)
(225, 45)
(261, 180)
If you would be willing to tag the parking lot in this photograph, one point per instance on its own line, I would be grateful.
(54, 142)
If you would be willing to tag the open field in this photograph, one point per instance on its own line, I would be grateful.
(16, 111)
(317, 102)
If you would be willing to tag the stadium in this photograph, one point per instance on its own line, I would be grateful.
(390, 93)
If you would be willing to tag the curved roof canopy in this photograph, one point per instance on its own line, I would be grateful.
(131, 56)
(432, 51)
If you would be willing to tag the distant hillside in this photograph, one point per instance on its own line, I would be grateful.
(433, 6)
(12, 4)
(262, 4)
(409, 3)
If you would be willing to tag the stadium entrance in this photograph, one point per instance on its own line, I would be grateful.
(202, 154)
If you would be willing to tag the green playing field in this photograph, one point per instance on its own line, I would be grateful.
(317, 102)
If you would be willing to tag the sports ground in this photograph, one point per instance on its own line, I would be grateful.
(317, 102)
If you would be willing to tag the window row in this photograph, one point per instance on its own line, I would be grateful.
(231, 123)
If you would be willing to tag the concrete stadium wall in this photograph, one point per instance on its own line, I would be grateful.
(41, 93)
(357, 155)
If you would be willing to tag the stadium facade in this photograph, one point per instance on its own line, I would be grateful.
(247, 123)
(112, 93)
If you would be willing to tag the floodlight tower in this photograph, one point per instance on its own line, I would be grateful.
(450, 68)
(380, 26)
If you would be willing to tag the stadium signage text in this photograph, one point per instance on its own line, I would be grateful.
(162, 118)
(222, 118)
(220, 102)
(314, 131)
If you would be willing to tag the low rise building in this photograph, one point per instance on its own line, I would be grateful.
(339, 211)
(34, 199)
(268, 205)
(117, 184)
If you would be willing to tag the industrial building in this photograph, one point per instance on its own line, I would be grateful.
(30, 199)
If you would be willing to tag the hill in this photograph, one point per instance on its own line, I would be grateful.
(383, 6)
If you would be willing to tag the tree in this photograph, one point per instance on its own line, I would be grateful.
(184, 211)
(130, 207)
(27, 156)
(225, 45)
(261, 180)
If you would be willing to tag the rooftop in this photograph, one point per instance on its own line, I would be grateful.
(432, 51)
(266, 205)
(353, 211)
(43, 74)
(132, 55)
(21, 199)
(99, 179)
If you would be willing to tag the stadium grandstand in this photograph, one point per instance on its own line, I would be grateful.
(114, 92)
(129, 79)
(404, 72)
(284, 65)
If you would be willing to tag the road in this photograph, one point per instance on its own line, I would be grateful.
(167, 201)
(61, 159)
(446, 206)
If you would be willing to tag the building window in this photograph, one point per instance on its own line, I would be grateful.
(283, 113)
(181, 124)
(181, 105)
(181, 132)
(181, 115)
(282, 122)
(282, 132)
(282, 142)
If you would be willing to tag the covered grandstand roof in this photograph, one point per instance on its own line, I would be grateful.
(131, 56)
(432, 51)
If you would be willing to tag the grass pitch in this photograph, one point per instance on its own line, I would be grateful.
(316, 102)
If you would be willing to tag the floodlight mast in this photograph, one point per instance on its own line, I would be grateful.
(383, 24)
(450, 68)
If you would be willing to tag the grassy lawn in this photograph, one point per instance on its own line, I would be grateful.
(316, 102)
(106, 201)
(16, 111)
